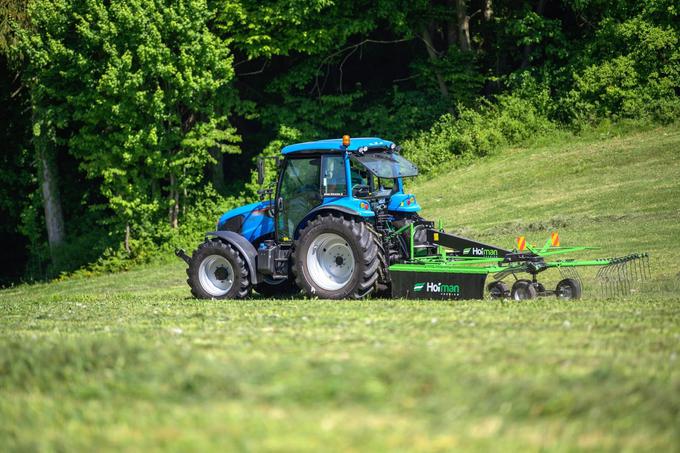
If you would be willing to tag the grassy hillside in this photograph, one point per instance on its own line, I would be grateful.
(130, 361)
(621, 194)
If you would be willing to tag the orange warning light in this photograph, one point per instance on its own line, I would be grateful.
(521, 243)
(555, 239)
(345, 140)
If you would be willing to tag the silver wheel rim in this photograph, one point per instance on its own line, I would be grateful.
(521, 294)
(330, 261)
(496, 292)
(216, 275)
(565, 292)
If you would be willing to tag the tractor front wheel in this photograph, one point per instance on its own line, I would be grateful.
(336, 258)
(217, 271)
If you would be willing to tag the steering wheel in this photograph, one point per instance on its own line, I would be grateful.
(361, 190)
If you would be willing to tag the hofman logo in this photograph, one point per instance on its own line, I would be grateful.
(437, 288)
(479, 251)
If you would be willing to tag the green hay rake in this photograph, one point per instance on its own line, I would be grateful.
(448, 266)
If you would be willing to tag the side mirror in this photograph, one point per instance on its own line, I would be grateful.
(260, 171)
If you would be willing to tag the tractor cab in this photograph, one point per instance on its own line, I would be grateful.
(355, 177)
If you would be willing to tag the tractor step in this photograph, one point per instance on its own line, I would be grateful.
(180, 253)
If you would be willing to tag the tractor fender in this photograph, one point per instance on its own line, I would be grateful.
(325, 209)
(245, 248)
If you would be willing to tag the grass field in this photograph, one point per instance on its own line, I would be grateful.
(129, 361)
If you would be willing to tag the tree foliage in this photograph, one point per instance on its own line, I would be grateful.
(143, 104)
(139, 92)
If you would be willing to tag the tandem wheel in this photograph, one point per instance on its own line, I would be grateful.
(498, 290)
(523, 290)
(568, 289)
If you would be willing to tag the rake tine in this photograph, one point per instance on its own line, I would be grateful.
(626, 276)
(622, 274)
(602, 278)
(640, 269)
(612, 272)
(606, 280)
(649, 271)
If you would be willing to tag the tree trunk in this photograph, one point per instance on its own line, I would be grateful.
(427, 39)
(48, 176)
(463, 26)
(488, 9)
(217, 170)
(127, 238)
(173, 213)
(451, 25)
(529, 48)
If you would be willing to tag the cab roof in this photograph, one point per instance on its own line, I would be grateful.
(335, 144)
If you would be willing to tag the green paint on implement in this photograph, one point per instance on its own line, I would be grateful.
(534, 263)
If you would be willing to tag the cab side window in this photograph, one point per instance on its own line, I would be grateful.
(299, 193)
(333, 181)
(360, 176)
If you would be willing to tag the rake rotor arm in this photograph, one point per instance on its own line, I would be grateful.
(464, 246)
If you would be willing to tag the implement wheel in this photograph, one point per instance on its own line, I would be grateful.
(523, 290)
(497, 290)
(336, 258)
(568, 289)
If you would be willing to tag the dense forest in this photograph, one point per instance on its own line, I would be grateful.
(128, 125)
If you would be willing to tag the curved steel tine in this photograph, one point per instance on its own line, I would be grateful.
(649, 271)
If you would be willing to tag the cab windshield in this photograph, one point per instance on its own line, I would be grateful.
(387, 165)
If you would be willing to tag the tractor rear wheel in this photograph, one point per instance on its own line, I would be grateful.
(217, 271)
(336, 258)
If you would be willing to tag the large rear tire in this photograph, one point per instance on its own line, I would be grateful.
(217, 271)
(336, 258)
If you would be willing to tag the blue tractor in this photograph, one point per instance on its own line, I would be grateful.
(324, 229)
(339, 225)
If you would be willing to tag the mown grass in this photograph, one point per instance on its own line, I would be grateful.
(129, 361)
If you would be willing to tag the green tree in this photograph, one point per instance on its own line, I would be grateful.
(139, 91)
